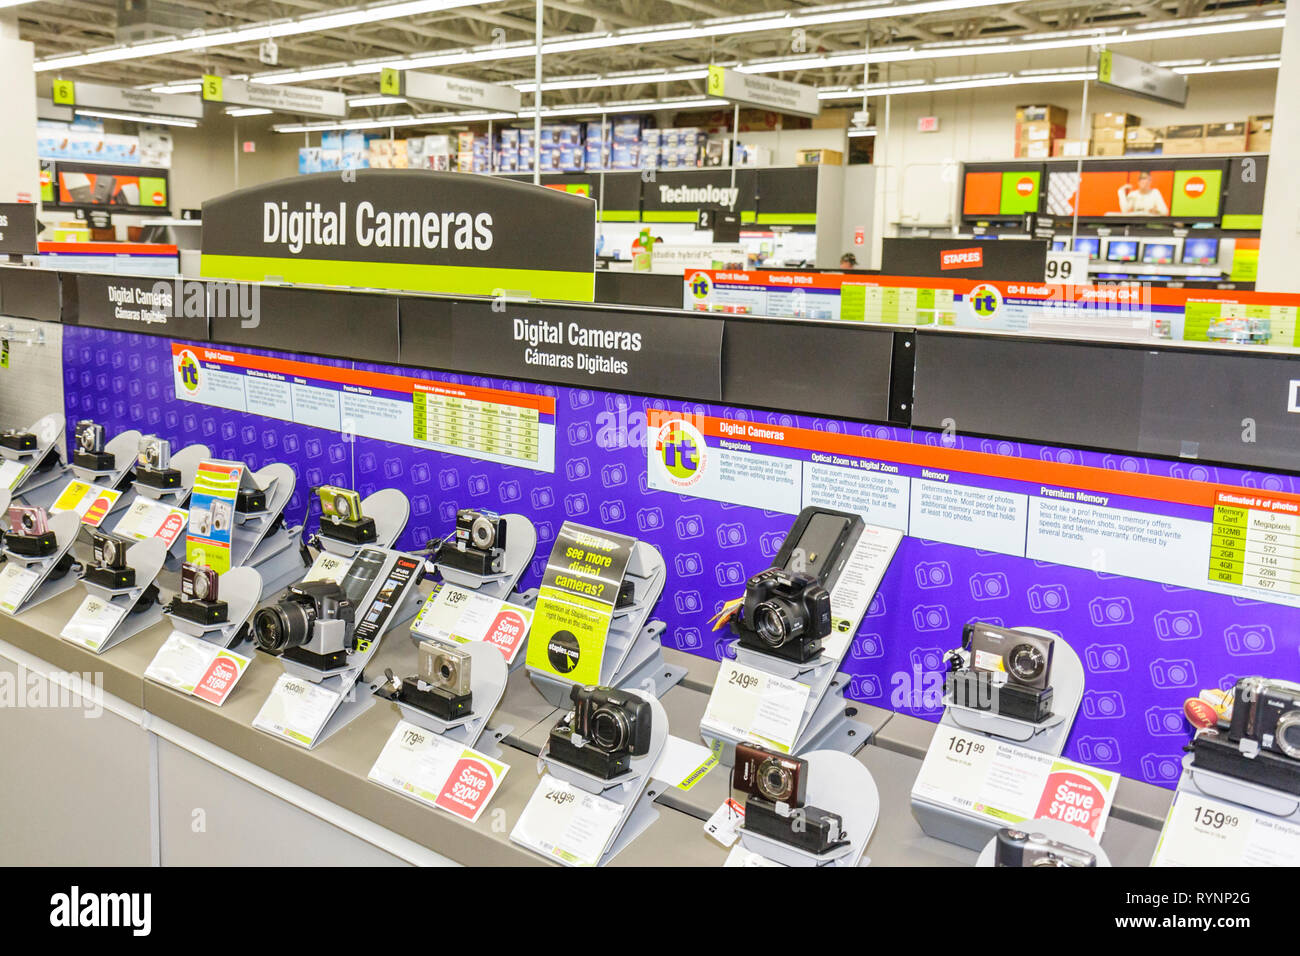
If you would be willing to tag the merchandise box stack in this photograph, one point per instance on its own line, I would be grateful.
(747, 154)
(508, 151)
(1259, 134)
(1037, 129)
(1070, 147)
(1225, 137)
(438, 151)
(651, 147)
(331, 152)
(465, 152)
(569, 154)
(1143, 140)
(626, 152)
(818, 157)
(527, 148)
(547, 150)
(1185, 138)
(1110, 132)
(597, 144)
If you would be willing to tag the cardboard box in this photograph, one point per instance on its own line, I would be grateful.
(1144, 134)
(1114, 120)
(1259, 142)
(1225, 138)
(1070, 147)
(1139, 147)
(1182, 145)
(833, 119)
(818, 157)
(1108, 135)
(1107, 149)
(1039, 131)
(1033, 150)
(1185, 131)
(1056, 115)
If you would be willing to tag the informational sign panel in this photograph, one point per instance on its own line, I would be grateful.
(101, 97)
(1139, 78)
(450, 91)
(17, 228)
(280, 98)
(759, 89)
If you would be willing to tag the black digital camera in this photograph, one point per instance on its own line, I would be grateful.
(312, 625)
(784, 614)
(604, 731)
(1266, 716)
(1018, 848)
(198, 600)
(478, 545)
(110, 570)
(88, 443)
(1002, 670)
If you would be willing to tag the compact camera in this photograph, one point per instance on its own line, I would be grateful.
(341, 517)
(15, 440)
(1003, 670)
(153, 463)
(198, 600)
(776, 787)
(29, 533)
(1018, 848)
(784, 614)
(603, 732)
(773, 776)
(88, 442)
(1266, 716)
(311, 625)
(110, 570)
(442, 686)
(478, 545)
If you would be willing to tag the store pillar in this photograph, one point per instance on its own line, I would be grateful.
(1279, 247)
(19, 168)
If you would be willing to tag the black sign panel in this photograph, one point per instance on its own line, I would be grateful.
(1245, 187)
(316, 322)
(18, 229)
(173, 306)
(29, 293)
(1009, 260)
(643, 352)
(678, 196)
(783, 191)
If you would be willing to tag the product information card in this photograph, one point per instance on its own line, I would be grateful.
(93, 622)
(297, 710)
(566, 823)
(16, 582)
(198, 668)
(453, 614)
(1204, 832)
(438, 772)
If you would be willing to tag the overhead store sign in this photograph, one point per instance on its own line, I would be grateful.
(100, 97)
(281, 99)
(450, 91)
(1141, 78)
(753, 89)
(406, 229)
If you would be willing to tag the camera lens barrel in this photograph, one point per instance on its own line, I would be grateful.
(285, 624)
(608, 728)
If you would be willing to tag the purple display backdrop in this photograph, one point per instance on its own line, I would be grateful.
(1145, 646)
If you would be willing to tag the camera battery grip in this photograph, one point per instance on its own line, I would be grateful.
(435, 700)
(351, 532)
(808, 828)
(470, 560)
(1213, 751)
(975, 690)
(249, 502)
(18, 441)
(206, 613)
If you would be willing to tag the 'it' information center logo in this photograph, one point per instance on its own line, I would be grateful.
(187, 371)
(985, 300)
(680, 449)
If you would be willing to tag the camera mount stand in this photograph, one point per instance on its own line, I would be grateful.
(634, 657)
(1244, 793)
(36, 486)
(388, 507)
(186, 461)
(521, 542)
(241, 589)
(253, 543)
(146, 559)
(488, 675)
(837, 783)
(122, 447)
(633, 791)
(42, 583)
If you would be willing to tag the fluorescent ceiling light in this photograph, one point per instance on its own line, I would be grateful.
(178, 88)
(615, 79)
(854, 133)
(145, 118)
(1231, 67)
(376, 100)
(255, 33)
(247, 111)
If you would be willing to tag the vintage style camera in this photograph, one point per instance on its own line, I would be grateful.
(443, 685)
(153, 463)
(88, 441)
(773, 776)
(110, 570)
(776, 787)
(479, 544)
(603, 732)
(341, 517)
(1266, 716)
(198, 600)
(29, 533)
(15, 440)
(311, 625)
(1003, 670)
(1018, 848)
(784, 614)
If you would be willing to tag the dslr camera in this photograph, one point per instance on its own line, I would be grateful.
(1018, 848)
(442, 687)
(198, 599)
(603, 732)
(1266, 716)
(110, 570)
(478, 545)
(312, 625)
(1006, 671)
(341, 517)
(784, 614)
(29, 533)
(15, 440)
(88, 442)
(776, 785)
(153, 463)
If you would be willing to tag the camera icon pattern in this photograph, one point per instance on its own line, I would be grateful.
(1144, 647)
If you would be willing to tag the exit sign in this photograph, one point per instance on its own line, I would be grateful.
(927, 124)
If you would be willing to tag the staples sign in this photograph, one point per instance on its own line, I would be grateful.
(961, 258)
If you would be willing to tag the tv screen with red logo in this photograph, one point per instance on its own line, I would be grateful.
(1001, 192)
(127, 189)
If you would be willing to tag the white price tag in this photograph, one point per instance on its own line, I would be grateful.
(1204, 832)
(454, 614)
(194, 666)
(1067, 268)
(297, 710)
(725, 823)
(148, 518)
(567, 823)
(328, 567)
(92, 622)
(739, 856)
(749, 704)
(16, 582)
(437, 771)
(11, 473)
(1000, 781)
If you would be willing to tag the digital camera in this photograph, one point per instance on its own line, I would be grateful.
(29, 533)
(88, 441)
(1266, 716)
(784, 614)
(1018, 848)
(445, 666)
(773, 776)
(198, 600)
(1002, 670)
(312, 625)
(776, 789)
(603, 732)
(153, 463)
(442, 687)
(478, 545)
(15, 440)
(341, 516)
(110, 570)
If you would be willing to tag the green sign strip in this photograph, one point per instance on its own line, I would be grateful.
(669, 215)
(619, 215)
(404, 276)
(1243, 221)
(787, 218)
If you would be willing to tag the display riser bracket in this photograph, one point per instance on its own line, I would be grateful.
(65, 526)
(241, 590)
(35, 488)
(146, 557)
(389, 508)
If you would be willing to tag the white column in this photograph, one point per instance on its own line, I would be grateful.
(19, 169)
(1279, 247)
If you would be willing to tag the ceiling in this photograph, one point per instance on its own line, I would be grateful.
(60, 27)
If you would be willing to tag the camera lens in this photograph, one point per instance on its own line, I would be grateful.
(482, 533)
(1026, 662)
(1287, 734)
(775, 624)
(109, 550)
(609, 729)
(775, 782)
(29, 522)
(277, 627)
(342, 508)
(201, 586)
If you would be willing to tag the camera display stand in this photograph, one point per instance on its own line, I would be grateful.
(37, 487)
(1056, 830)
(122, 447)
(634, 657)
(521, 543)
(390, 509)
(488, 675)
(838, 783)
(1221, 786)
(147, 558)
(274, 554)
(629, 790)
(65, 526)
(186, 461)
(241, 589)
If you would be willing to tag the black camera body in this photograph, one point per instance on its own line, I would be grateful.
(15, 440)
(29, 533)
(811, 829)
(198, 600)
(312, 625)
(613, 727)
(478, 545)
(784, 614)
(110, 570)
(1266, 716)
(1009, 673)
(88, 444)
(1017, 848)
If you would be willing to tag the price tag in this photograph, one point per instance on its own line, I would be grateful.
(567, 823)
(725, 823)
(328, 567)
(1066, 268)
(198, 668)
(1204, 832)
(454, 614)
(739, 856)
(749, 704)
(16, 582)
(92, 622)
(91, 502)
(11, 473)
(297, 710)
(1003, 782)
(148, 518)
(438, 772)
